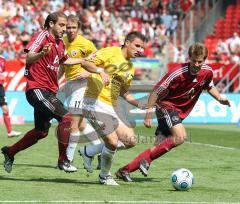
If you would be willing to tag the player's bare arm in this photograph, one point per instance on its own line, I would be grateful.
(91, 67)
(152, 99)
(83, 75)
(32, 56)
(215, 94)
(132, 100)
(73, 61)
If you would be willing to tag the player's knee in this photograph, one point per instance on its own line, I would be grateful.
(180, 139)
(131, 142)
(5, 110)
(82, 127)
(111, 143)
(41, 134)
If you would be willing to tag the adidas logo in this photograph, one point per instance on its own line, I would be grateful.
(195, 80)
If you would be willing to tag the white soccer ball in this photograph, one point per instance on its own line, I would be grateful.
(182, 179)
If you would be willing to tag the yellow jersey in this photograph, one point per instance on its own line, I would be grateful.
(79, 48)
(120, 70)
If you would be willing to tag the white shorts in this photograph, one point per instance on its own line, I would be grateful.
(103, 117)
(74, 93)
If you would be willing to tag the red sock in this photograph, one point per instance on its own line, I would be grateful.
(7, 122)
(162, 148)
(63, 134)
(29, 139)
(134, 165)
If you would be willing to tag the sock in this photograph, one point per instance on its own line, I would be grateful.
(120, 145)
(7, 122)
(90, 133)
(134, 164)
(72, 145)
(63, 134)
(29, 139)
(92, 150)
(106, 161)
(150, 155)
(162, 148)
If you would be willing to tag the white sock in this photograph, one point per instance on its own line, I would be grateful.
(106, 161)
(73, 141)
(92, 149)
(91, 134)
(120, 145)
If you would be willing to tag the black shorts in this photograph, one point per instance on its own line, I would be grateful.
(2, 96)
(167, 118)
(46, 107)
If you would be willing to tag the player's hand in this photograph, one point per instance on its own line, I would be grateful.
(83, 75)
(46, 49)
(148, 118)
(105, 77)
(224, 101)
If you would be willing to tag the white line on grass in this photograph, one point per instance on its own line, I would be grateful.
(97, 201)
(143, 137)
(211, 145)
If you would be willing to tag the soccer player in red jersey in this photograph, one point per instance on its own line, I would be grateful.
(174, 96)
(45, 52)
(3, 102)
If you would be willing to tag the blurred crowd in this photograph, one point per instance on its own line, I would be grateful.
(105, 22)
(228, 51)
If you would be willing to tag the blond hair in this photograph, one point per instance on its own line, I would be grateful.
(198, 49)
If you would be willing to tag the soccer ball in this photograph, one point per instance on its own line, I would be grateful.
(182, 179)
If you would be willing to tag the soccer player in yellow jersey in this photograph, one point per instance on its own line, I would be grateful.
(100, 101)
(77, 47)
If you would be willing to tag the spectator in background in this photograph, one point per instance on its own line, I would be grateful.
(3, 102)
(234, 43)
(234, 47)
(222, 53)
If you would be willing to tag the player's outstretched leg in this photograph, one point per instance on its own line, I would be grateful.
(145, 158)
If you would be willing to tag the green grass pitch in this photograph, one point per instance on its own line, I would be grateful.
(212, 153)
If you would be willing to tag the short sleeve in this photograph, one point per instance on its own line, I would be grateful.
(37, 42)
(91, 48)
(100, 57)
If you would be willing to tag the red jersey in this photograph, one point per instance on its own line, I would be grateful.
(42, 73)
(180, 90)
(2, 68)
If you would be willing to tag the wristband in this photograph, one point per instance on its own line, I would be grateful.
(99, 70)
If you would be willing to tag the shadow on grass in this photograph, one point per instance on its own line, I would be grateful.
(47, 180)
(140, 180)
(37, 165)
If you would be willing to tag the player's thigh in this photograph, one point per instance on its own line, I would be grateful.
(126, 135)
(74, 96)
(169, 124)
(179, 133)
(111, 140)
(101, 116)
(46, 107)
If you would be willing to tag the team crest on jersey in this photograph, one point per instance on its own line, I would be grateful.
(73, 53)
(202, 83)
